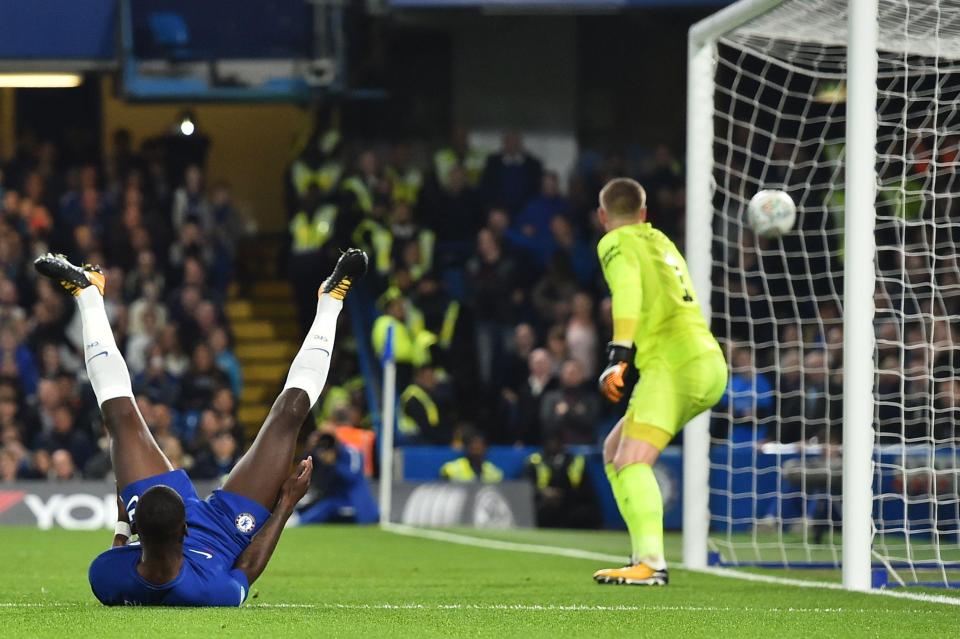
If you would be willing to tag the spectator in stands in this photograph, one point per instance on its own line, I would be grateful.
(190, 204)
(217, 458)
(98, 465)
(339, 491)
(524, 408)
(424, 409)
(552, 294)
(513, 176)
(140, 341)
(790, 387)
(563, 497)
(10, 461)
(225, 359)
(145, 283)
(492, 284)
(10, 309)
(535, 218)
(581, 255)
(175, 361)
(227, 232)
(557, 345)
(16, 361)
(458, 155)
(473, 466)
(410, 346)
(191, 244)
(156, 382)
(200, 325)
(62, 466)
(171, 447)
(405, 177)
(48, 319)
(454, 214)
(201, 381)
(818, 410)
(749, 395)
(198, 433)
(63, 435)
(582, 334)
(516, 367)
(571, 411)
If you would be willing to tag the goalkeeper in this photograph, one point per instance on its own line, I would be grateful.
(681, 366)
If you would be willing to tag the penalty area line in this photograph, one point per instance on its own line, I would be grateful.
(574, 553)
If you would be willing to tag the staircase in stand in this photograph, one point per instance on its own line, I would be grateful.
(263, 318)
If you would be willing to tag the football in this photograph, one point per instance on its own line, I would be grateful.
(771, 213)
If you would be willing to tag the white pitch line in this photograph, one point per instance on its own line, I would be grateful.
(830, 585)
(37, 604)
(572, 608)
(500, 607)
(493, 544)
(489, 607)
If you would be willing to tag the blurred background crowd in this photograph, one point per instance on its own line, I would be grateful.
(167, 242)
(483, 264)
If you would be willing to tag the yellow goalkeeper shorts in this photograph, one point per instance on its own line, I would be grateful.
(670, 395)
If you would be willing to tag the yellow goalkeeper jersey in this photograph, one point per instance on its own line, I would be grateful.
(654, 303)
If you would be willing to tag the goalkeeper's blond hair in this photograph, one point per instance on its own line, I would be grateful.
(623, 197)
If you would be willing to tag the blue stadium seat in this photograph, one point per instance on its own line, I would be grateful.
(171, 35)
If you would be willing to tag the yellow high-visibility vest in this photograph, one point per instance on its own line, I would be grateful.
(405, 186)
(360, 191)
(311, 232)
(545, 473)
(402, 339)
(460, 470)
(445, 159)
(407, 424)
(325, 178)
(376, 237)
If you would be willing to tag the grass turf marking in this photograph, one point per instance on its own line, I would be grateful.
(507, 607)
(574, 553)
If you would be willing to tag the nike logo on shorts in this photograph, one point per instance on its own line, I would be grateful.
(200, 552)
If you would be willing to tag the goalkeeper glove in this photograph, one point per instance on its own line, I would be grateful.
(612, 378)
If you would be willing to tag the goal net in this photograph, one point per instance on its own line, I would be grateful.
(776, 451)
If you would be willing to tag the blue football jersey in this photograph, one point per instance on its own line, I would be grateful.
(203, 581)
(219, 528)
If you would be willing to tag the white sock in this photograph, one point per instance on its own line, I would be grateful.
(309, 369)
(657, 562)
(105, 366)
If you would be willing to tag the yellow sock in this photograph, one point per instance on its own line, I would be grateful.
(640, 502)
(614, 478)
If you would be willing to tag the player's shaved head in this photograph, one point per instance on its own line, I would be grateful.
(160, 516)
(623, 198)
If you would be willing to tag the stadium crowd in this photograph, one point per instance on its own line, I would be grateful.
(777, 302)
(168, 242)
(485, 267)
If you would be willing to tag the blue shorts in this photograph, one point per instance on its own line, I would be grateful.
(221, 525)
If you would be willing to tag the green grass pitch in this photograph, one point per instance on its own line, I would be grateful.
(352, 582)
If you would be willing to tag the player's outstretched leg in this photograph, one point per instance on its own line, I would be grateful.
(133, 451)
(262, 470)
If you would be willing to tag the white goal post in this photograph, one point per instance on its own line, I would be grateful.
(838, 445)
